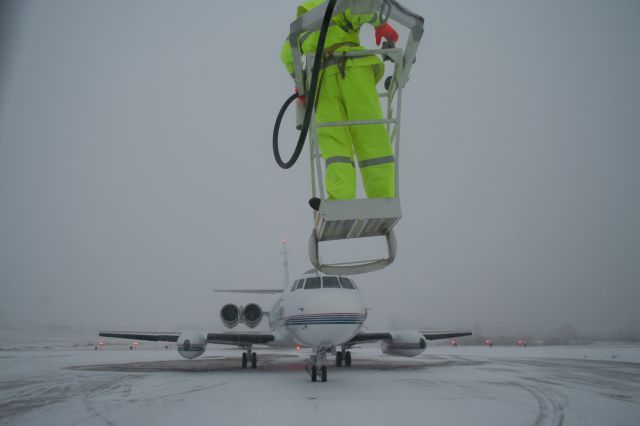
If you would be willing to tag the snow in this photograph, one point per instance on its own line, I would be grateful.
(571, 385)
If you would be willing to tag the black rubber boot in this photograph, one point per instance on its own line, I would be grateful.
(315, 203)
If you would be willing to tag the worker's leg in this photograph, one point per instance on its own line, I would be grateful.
(370, 142)
(335, 142)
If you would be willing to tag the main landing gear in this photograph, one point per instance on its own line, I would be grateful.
(249, 355)
(343, 356)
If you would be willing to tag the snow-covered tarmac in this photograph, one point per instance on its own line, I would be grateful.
(572, 385)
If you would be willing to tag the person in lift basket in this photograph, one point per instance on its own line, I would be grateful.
(347, 92)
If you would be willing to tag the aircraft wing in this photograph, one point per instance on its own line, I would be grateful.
(369, 337)
(134, 335)
(259, 291)
(219, 338)
(385, 335)
(239, 338)
(436, 335)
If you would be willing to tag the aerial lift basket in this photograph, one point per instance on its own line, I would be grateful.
(358, 218)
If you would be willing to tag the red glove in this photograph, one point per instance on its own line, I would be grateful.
(302, 99)
(386, 31)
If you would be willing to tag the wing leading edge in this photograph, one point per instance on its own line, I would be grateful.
(219, 338)
(240, 338)
(154, 337)
(437, 335)
(385, 335)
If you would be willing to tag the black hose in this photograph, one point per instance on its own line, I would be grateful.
(311, 95)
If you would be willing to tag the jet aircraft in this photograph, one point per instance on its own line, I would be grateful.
(323, 312)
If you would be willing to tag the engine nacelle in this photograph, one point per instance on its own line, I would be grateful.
(252, 315)
(404, 343)
(192, 344)
(230, 315)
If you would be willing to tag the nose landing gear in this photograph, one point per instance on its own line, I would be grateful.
(318, 363)
(322, 371)
(318, 367)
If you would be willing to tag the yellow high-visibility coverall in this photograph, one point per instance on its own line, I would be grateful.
(349, 95)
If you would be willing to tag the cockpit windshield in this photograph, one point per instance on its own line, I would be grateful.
(330, 282)
(347, 283)
(323, 282)
(312, 283)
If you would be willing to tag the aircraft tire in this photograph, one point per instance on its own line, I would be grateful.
(323, 373)
(314, 373)
(244, 360)
(347, 359)
(339, 359)
(254, 360)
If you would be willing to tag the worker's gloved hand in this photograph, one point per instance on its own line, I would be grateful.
(385, 30)
(301, 99)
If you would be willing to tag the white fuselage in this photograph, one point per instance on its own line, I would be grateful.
(317, 317)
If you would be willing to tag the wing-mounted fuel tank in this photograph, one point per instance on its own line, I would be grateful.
(404, 343)
(250, 315)
(192, 344)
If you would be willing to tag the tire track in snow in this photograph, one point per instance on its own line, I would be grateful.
(550, 404)
(100, 390)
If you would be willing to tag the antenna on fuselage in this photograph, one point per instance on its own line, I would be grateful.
(285, 263)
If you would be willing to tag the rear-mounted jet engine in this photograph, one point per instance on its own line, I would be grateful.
(250, 315)
(230, 315)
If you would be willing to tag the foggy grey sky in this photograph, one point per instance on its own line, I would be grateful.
(136, 171)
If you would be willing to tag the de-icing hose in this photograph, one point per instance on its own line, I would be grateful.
(310, 97)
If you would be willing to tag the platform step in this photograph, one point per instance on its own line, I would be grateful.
(346, 219)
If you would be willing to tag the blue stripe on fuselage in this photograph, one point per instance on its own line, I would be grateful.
(311, 319)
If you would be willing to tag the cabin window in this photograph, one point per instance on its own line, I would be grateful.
(300, 284)
(330, 282)
(347, 283)
(312, 283)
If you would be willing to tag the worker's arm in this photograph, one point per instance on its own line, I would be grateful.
(359, 20)
(286, 55)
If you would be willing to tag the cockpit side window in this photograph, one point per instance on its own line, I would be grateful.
(294, 285)
(330, 282)
(300, 284)
(312, 283)
(347, 283)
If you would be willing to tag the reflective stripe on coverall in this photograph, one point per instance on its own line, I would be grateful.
(349, 96)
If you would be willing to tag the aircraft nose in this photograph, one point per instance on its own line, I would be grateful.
(327, 318)
(333, 302)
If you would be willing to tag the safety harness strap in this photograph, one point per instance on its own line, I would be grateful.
(328, 58)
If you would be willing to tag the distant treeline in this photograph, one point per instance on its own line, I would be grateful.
(562, 335)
